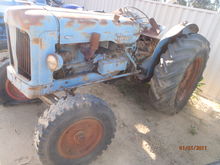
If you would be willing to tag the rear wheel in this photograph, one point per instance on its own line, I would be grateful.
(178, 73)
(74, 131)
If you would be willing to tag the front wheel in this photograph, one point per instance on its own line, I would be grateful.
(178, 73)
(74, 131)
(9, 94)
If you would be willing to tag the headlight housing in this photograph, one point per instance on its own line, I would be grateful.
(52, 62)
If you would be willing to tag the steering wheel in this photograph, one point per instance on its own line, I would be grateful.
(136, 15)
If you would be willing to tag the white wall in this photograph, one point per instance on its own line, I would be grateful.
(170, 15)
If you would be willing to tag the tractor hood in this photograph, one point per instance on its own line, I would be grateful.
(31, 19)
(72, 26)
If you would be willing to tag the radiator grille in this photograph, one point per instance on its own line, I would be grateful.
(23, 53)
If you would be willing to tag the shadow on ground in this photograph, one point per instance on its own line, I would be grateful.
(143, 135)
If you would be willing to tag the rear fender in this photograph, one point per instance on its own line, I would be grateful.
(181, 29)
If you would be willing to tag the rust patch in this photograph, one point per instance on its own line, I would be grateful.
(94, 41)
(154, 25)
(13, 92)
(52, 34)
(85, 24)
(118, 11)
(85, 78)
(190, 79)
(116, 17)
(80, 138)
(69, 24)
(128, 23)
(137, 34)
(103, 22)
(107, 32)
(93, 46)
(36, 88)
(38, 41)
(23, 19)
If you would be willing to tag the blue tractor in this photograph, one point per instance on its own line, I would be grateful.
(54, 49)
(12, 95)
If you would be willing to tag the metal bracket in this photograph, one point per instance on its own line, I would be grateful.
(70, 91)
(130, 58)
(49, 99)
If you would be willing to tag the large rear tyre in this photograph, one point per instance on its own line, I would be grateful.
(74, 131)
(178, 73)
(9, 94)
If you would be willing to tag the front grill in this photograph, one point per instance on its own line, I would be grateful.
(23, 53)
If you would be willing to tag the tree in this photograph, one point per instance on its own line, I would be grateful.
(182, 2)
(204, 4)
(216, 4)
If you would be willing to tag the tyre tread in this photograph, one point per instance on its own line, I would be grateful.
(164, 85)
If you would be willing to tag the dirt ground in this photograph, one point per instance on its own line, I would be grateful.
(143, 136)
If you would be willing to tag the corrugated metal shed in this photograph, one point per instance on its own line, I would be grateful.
(170, 15)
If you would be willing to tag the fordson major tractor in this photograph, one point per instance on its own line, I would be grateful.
(54, 49)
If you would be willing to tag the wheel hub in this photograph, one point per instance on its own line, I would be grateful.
(13, 92)
(80, 138)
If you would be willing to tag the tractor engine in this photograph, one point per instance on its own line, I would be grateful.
(105, 58)
(109, 58)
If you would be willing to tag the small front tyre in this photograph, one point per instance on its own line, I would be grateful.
(9, 94)
(74, 131)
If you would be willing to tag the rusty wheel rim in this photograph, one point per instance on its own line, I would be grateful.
(80, 138)
(187, 84)
(13, 92)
